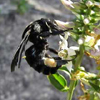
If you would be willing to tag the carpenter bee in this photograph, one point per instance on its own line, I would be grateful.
(37, 33)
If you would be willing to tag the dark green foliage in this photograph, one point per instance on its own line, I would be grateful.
(22, 6)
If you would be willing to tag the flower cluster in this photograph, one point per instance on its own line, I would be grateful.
(86, 33)
(86, 27)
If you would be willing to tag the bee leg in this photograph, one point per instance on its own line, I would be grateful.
(57, 59)
(47, 55)
(53, 51)
(46, 70)
(52, 70)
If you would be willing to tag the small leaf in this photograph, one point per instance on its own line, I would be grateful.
(94, 86)
(64, 69)
(58, 81)
(98, 67)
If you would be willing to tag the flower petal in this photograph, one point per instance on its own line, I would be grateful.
(69, 66)
(63, 43)
(67, 4)
(71, 52)
(74, 48)
(65, 25)
(97, 45)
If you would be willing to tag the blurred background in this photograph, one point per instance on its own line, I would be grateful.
(25, 83)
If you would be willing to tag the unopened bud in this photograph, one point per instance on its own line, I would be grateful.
(92, 12)
(86, 21)
(80, 41)
(89, 3)
(67, 4)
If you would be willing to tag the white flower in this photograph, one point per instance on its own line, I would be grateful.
(97, 45)
(65, 25)
(63, 44)
(69, 66)
(65, 52)
(67, 34)
(67, 4)
(89, 3)
(71, 52)
(88, 38)
(74, 48)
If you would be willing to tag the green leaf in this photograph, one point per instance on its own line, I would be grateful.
(94, 86)
(64, 69)
(58, 81)
(98, 67)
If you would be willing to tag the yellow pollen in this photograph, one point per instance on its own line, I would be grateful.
(24, 57)
(50, 62)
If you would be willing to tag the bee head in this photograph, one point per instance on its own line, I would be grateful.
(52, 26)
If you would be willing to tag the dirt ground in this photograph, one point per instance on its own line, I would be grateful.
(25, 83)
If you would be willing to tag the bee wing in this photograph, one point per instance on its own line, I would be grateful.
(27, 28)
(17, 58)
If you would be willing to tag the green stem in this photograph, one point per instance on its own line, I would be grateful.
(76, 66)
(70, 92)
(92, 97)
(79, 57)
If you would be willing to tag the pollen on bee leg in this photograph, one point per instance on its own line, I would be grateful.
(24, 57)
(41, 37)
(50, 62)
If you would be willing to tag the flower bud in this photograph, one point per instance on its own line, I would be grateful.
(92, 12)
(89, 40)
(86, 21)
(80, 41)
(89, 3)
(67, 4)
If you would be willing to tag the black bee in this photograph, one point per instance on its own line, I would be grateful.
(37, 32)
